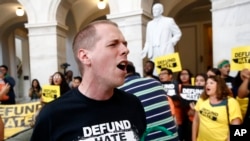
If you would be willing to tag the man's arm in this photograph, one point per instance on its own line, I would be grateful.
(243, 89)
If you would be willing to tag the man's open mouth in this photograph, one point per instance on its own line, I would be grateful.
(122, 66)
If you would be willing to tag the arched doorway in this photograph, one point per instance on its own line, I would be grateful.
(195, 45)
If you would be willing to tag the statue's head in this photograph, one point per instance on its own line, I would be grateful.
(157, 9)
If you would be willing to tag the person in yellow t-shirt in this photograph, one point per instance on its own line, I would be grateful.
(211, 119)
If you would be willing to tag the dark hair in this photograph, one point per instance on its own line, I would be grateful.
(202, 75)
(68, 75)
(64, 86)
(130, 68)
(189, 73)
(151, 62)
(78, 78)
(5, 67)
(69, 72)
(38, 84)
(149, 71)
(168, 70)
(222, 90)
(215, 71)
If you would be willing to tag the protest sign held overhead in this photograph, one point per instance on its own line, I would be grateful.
(171, 61)
(240, 58)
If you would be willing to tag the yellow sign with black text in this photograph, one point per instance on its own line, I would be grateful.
(18, 117)
(170, 61)
(240, 58)
(50, 93)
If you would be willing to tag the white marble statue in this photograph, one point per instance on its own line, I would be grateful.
(162, 34)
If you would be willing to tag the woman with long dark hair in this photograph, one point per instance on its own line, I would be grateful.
(59, 79)
(35, 90)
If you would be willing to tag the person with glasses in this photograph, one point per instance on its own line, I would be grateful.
(171, 87)
(59, 80)
(184, 78)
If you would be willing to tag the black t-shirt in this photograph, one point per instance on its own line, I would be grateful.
(74, 117)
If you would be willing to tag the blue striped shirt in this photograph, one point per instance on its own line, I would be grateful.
(157, 109)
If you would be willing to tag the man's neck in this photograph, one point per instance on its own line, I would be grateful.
(158, 17)
(93, 90)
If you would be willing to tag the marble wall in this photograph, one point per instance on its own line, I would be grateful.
(231, 27)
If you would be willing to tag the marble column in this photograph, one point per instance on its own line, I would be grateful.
(132, 17)
(47, 50)
(133, 27)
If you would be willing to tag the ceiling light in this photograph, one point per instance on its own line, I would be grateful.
(101, 4)
(19, 11)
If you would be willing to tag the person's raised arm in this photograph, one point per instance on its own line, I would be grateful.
(5, 89)
(243, 90)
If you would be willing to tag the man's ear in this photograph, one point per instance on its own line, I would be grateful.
(83, 56)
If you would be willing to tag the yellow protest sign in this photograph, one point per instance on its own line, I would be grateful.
(50, 93)
(171, 61)
(240, 58)
(18, 117)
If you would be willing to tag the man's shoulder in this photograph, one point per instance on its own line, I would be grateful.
(141, 84)
(10, 80)
(167, 19)
(64, 99)
(143, 80)
(123, 95)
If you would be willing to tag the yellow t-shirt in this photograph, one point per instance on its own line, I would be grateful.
(214, 120)
(243, 105)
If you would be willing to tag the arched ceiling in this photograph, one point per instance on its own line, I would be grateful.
(8, 18)
(7, 10)
(85, 11)
(183, 9)
(196, 11)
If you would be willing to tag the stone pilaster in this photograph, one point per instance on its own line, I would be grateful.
(47, 49)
